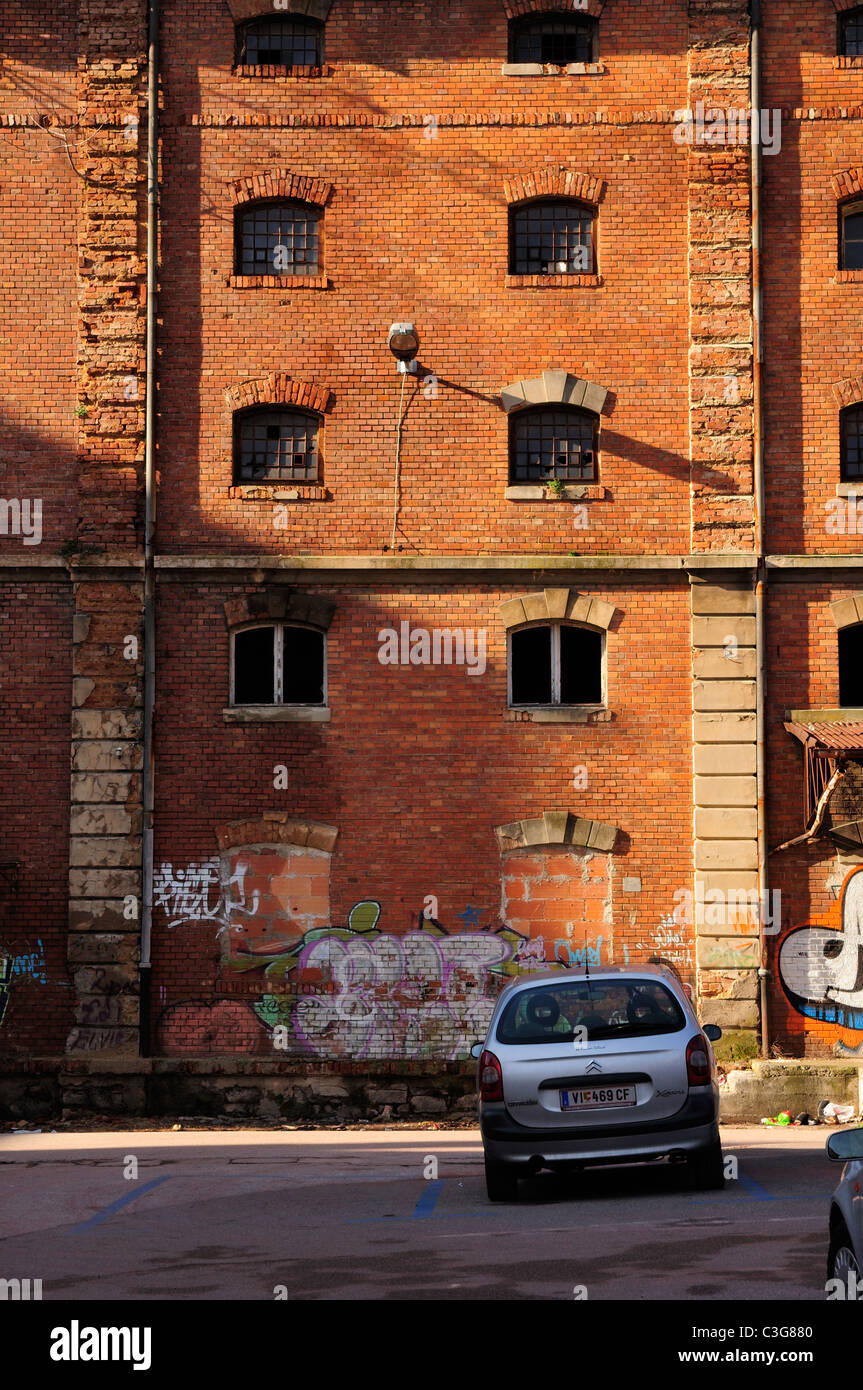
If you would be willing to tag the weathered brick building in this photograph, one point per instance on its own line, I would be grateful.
(380, 686)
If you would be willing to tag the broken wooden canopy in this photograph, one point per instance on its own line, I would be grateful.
(827, 749)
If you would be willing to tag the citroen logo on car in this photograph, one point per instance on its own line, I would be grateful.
(593, 1066)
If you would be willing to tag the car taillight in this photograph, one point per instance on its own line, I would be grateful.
(490, 1077)
(698, 1062)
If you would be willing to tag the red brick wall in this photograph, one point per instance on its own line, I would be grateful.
(35, 676)
(420, 764)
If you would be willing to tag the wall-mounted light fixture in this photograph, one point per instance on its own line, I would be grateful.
(403, 342)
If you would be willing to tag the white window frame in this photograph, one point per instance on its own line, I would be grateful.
(278, 666)
(556, 624)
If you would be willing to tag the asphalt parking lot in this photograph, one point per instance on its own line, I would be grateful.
(401, 1214)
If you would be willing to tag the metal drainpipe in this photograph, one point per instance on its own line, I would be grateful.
(758, 480)
(149, 516)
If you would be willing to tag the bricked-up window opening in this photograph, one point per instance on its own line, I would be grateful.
(286, 43)
(555, 664)
(553, 442)
(551, 237)
(273, 446)
(278, 664)
(851, 33)
(851, 451)
(552, 38)
(851, 666)
(277, 239)
(851, 237)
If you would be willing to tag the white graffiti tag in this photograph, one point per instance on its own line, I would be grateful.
(410, 996)
(202, 893)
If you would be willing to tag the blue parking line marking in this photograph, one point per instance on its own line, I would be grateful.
(426, 1204)
(755, 1189)
(115, 1206)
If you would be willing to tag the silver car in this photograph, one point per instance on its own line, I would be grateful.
(845, 1255)
(607, 1067)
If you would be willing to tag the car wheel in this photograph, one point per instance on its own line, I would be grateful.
(707, 1168)
(841, 1260)
(501, 1182)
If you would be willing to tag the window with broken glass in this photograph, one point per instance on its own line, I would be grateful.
(552, 237)
(851, 449)
(553, 442)
(286, 43)
(555, 664)
(851, 33)
(278, 664)
(275, 446)
(555, 38)
(277, 238)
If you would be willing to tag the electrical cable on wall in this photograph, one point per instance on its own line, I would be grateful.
(397, 484)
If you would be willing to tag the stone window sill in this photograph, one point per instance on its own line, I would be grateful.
(850, 489)
(276, 714)
(559, 714)
(274, 70)
(846, 60)
(278, 282)
(554, 282)
(572, 492)
(552, 70)
(279, 492)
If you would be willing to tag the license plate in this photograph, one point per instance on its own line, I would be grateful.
(597, 1097)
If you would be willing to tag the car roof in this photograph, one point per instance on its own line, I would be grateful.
(597, 973)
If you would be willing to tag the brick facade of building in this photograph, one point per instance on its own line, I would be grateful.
(353, 884)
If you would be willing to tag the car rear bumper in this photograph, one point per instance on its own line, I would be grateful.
(693, 1127)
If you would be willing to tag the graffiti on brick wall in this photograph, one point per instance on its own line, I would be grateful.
(821, 966)
(357, 992)
(567, 954)
(21, 967)
(203, 892)
(672, 941)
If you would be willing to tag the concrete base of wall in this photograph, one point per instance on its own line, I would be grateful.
(234, 1089)
(223, 1087)
(794, 1086)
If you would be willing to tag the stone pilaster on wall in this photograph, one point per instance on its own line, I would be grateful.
(725, 800)
(720, 280)
(107, 753)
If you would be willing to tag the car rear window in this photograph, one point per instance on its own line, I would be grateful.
(552, 1013)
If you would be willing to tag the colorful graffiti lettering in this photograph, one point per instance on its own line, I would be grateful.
(821, 967)
(202, 892)
(567, 954)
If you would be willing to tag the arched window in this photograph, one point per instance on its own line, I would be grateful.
(851, 33)
(277, 238)
(555, 664)
(851, 236)
(851, 447)
(555, 37)
(851, 665)
(275, 445)
(292, 42)
(551, 236)
(278, 664)
(553, 441)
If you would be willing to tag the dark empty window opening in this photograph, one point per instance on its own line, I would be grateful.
(255, 666)
(551, 238)
(277, 239)
(553, 442)
(851, 33)
(851, 237)
(273, 446)
(851, 666)
(555, 664)
(552, 38)
(279, 664)
(285, 43)
(851, 441)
